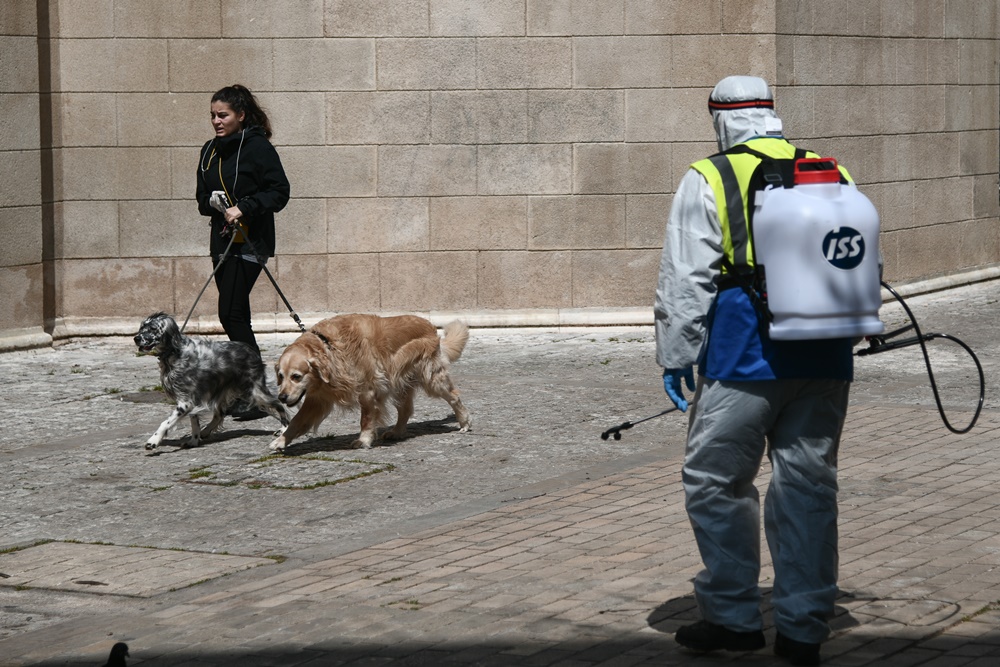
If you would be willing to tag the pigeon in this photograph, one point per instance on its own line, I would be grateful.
(118, 654)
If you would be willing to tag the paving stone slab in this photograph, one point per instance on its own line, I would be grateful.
(115, 570)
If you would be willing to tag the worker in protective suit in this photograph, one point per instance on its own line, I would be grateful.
(787, 399)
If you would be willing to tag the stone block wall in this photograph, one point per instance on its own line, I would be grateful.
(907, 95)
(510, 160)
(21, 229)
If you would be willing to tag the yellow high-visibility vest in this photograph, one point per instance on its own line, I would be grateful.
(729, 175)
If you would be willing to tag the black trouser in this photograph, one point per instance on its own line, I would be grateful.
(235, 278)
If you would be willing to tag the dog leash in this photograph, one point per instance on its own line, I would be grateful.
(210, 276)
(263, 264)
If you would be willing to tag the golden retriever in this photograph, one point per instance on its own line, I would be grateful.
(367, 361)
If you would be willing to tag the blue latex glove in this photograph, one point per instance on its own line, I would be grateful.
(672, 385)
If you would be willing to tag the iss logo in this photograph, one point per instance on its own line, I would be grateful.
(844, 247)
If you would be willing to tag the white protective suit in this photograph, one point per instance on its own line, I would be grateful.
(797, 422)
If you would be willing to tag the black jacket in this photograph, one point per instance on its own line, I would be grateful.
(249, 163)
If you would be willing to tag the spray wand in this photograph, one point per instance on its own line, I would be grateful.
(616, 431)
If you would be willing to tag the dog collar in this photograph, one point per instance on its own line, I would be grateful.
(326, 341)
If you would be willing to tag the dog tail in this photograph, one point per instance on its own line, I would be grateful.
(456, 335)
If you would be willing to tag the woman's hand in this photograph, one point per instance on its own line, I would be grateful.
(233, 214)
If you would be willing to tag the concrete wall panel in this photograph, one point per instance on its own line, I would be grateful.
(525, 169)
(575, 17)
(623, 168)
(115, 287)
(296, 118)
(324, 64)
(427, 281)
(479, 117)
(525, 280)
(206, 65)
(569, 222)
(623, 62)
(21, 229)
(304, 280)
(667, 115)
(395, 117)
(672, 17)
(479, 223)
(113, 65)
(112, 173)
(20, 173)
(378, 225)
(267, 19)
(87, 229)
(19, 121)
(19, 73)
(20, 296)
(354, 283)
(376, 18)
(426, 64)
(19, 18)
(462, 18)
(330, 171)
(610, 278)
(646, 220)
(78, 18)
(561, 116)
(414, 171)
(301, 227)
(170, 228)
(177, 18)
(150, 119)
(531, 62)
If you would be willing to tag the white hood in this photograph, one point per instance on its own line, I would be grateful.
(736, 125)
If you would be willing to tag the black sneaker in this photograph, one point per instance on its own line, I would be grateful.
(797, 653)
(250, 414)
(705, 636)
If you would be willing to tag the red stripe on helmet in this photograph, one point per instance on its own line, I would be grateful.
(743, 104)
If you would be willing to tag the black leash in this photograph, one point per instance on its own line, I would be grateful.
(881, 343)
(263, 264)
(210, 276)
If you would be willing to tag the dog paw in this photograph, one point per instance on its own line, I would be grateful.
(361, 444)
(150, 445)
(465, 429)
(277, 445)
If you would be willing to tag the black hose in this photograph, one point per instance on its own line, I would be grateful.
(878, 344)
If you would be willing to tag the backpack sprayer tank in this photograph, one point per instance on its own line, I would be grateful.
(817, 243)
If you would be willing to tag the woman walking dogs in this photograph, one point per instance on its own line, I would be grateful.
(241, 185)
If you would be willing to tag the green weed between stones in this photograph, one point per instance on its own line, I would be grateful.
(204, 473)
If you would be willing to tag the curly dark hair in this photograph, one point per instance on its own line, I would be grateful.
(243, 101)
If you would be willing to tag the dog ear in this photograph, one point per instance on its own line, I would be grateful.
(321, 369)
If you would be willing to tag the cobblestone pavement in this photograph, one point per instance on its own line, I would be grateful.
(528, 541)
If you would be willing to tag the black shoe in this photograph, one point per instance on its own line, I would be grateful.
(798, 653)
(705, 636)
(250, 414)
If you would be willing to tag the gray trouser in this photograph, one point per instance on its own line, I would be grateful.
(801, 422)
